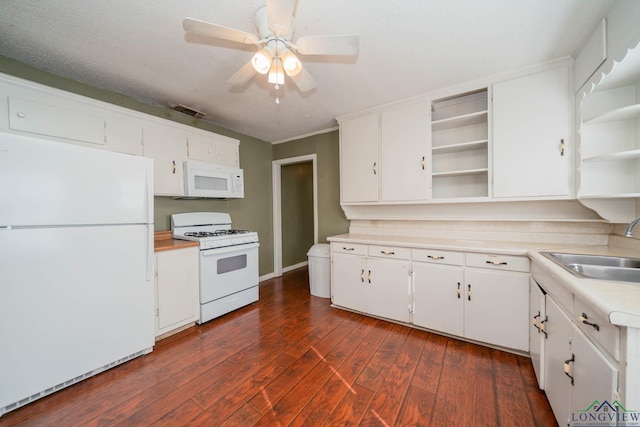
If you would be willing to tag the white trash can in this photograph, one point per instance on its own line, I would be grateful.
(320, 270)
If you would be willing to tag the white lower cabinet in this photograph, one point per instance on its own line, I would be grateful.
(376, 286)
(349, 281)
(437, 296)
(388, 292)
(449, 292)
(496, 308)
(577, 373)
(479, 304)
(537, 332)
(557, 350)
(176, 281)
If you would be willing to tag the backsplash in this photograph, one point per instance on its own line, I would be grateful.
(592, 233)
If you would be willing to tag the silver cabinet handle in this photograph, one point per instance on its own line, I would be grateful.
(422, 162)
(458, 290)
(562, 147)
(344, 248)
(469, 292)
(435, 257)
(387, 252)
(362, 276)
(174, 167)
(496, 262)
(375, 170)
(369, 276)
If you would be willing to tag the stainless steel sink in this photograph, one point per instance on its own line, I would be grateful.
(617, 269)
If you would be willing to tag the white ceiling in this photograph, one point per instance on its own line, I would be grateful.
(407, 48)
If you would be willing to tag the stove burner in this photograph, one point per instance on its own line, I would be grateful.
(200, 234)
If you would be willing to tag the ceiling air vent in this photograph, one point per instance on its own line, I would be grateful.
(188, 111)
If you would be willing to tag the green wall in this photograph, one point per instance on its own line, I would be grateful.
(331, 219)
(254, 212)
(297, 212)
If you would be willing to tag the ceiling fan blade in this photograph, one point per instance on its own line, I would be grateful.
(243, 75)
(328, 45)
(304, 81)
(280, 16)
(202, 28)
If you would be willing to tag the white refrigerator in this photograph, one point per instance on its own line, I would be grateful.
(76, 264)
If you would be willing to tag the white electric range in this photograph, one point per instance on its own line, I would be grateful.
(228, 261)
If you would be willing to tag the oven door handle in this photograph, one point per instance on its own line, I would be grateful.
(228, 249)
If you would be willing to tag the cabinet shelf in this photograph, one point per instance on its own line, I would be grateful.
(609, 196)
(474, 118)
(612, 157)
(624, 113)
(454, 148)
(466, 172)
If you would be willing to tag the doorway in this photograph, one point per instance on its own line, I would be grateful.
(277, 166)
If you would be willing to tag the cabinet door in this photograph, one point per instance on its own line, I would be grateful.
(124, 135)
(359, 164)
(388, 292)
(531, 118)
(404, 148)
(201, 149)
(557, 350)
(536, 335)
(348, 277)
(227, 153)
(177, 288)
(60, 118)
(438, 298)
(166, 146)
(497, 308)
(594, 377)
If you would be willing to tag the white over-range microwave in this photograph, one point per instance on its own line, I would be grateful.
(211, 180)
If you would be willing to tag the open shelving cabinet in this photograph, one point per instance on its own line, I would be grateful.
(460, 146)
(610, 140)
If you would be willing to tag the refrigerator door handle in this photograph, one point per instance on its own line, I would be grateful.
(149, 190)
(150, 252)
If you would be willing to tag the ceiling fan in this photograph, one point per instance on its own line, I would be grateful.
(275, 23)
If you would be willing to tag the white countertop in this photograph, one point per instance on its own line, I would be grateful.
(618, 302)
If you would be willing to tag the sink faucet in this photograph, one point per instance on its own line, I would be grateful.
(630, 226)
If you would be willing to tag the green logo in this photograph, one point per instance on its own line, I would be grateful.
(605, 414)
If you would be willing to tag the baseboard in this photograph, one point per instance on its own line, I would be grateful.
(295, 266)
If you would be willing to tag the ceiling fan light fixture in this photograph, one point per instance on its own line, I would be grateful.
(291, 63)
(262, 60)
(276, 72)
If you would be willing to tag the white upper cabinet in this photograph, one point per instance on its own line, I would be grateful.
(125, 135)
(167, 146)
(404, 149)
(359, 159)
(35, 113)
(532, 136)
(214, 149)
(385, 156)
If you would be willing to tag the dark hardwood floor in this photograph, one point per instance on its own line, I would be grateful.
(291, 359)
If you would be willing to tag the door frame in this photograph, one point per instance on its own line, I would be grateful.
(277, 202)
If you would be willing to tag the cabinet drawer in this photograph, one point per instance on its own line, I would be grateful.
(598, 328)
(437, 257)
(498, 262)
(349, 248)
(394, 252)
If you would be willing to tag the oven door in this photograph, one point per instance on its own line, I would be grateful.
(225, 271)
